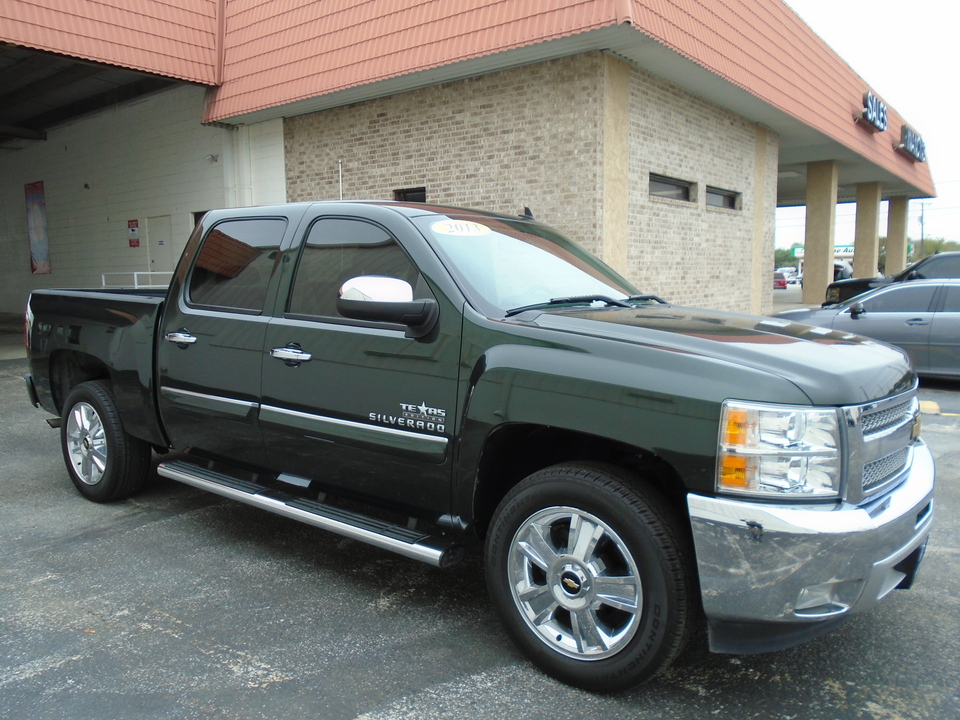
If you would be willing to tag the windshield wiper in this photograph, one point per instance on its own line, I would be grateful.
(645, 298)
(579, 299)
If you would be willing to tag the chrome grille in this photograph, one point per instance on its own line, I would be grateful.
(877, 472)
(879, 444)
(880, 420)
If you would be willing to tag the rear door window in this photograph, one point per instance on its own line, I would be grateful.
(235, 263)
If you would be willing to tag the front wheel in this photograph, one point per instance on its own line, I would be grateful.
(104, 462)
(591, 576)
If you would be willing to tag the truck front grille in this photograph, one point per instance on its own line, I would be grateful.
(880, 436)
(876, 473)
(880, 420)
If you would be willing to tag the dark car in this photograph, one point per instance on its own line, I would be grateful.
(922, 317)
(941, 265)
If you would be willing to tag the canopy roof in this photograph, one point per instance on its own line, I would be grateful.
(278, 58)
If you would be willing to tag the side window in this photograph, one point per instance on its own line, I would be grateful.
(235, 263)
(336, 250)
(952, 302)
(902, 298)
(943, 267)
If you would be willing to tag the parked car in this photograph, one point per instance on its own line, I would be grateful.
(941, 265)
(779, 281)
(921, 317)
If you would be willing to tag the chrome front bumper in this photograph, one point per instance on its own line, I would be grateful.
(775, 575)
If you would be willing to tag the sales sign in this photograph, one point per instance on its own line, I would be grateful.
(874, 111)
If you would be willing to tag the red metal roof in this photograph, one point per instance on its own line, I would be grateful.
(278, 52)
(766, 49)
(286, 50)
(174, 38)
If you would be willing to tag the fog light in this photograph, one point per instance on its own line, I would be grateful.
(829, 598)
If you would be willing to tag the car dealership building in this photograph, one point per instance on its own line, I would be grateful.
(661, 135)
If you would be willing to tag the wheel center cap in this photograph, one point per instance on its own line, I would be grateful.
(571, 583)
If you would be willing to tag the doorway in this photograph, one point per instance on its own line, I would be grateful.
(160, 243)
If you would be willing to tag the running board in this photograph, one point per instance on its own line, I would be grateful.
(430, 549)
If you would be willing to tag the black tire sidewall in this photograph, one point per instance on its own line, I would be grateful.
(122, 467)
(655, 642)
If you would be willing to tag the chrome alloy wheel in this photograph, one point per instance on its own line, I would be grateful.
(575, 583)
(86, 443)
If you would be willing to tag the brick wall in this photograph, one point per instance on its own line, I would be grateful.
(688, 252)
(534, 136)
(498, 142)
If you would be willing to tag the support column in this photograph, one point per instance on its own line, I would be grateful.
(866, 245)
(616, 163)
(818, 247)
(761, 290)
(897, 214)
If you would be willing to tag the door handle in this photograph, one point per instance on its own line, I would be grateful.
(917, 321)
(181, 338)
(292, 354)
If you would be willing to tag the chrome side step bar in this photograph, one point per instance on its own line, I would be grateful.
(430, 549)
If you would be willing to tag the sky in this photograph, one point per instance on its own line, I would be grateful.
(906, 52)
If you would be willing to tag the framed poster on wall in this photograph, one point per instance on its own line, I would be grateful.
(37, 228)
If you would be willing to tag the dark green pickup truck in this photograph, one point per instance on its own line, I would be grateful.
(414, 376)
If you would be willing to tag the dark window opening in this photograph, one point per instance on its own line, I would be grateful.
(339, 249)
(235, 264)
(411, 194)
(952, 302)
(667, 187)
(906, 298)
(723, 198)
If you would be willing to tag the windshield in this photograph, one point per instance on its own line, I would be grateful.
(508, 265)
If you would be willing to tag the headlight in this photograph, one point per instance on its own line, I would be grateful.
(778, 451)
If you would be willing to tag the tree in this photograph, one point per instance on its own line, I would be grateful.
(783, 257)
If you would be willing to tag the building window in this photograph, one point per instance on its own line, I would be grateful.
(411, 194)
(667, 187)
(723, 198)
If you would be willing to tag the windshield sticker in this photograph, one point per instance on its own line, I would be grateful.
(460, 228)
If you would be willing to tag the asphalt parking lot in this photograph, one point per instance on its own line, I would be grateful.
(180, 604)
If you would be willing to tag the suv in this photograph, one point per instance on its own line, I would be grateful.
(941, 265)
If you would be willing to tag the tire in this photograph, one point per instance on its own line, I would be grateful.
(104, 462)
(591, 576)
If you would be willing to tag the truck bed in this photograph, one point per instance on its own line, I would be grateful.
(99, 334)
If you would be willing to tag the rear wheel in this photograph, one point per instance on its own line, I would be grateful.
(104, 462)
(591, 576)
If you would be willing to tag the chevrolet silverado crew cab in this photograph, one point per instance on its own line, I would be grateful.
(414, 376)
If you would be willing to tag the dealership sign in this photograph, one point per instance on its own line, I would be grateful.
(912, 144)
(874, 111)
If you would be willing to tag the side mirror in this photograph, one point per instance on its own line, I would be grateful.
(856, 310)
(385, 299)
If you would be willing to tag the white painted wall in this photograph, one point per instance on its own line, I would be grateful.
(255, 170)
(147, 159)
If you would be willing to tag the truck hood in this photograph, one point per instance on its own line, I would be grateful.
(829, 367)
